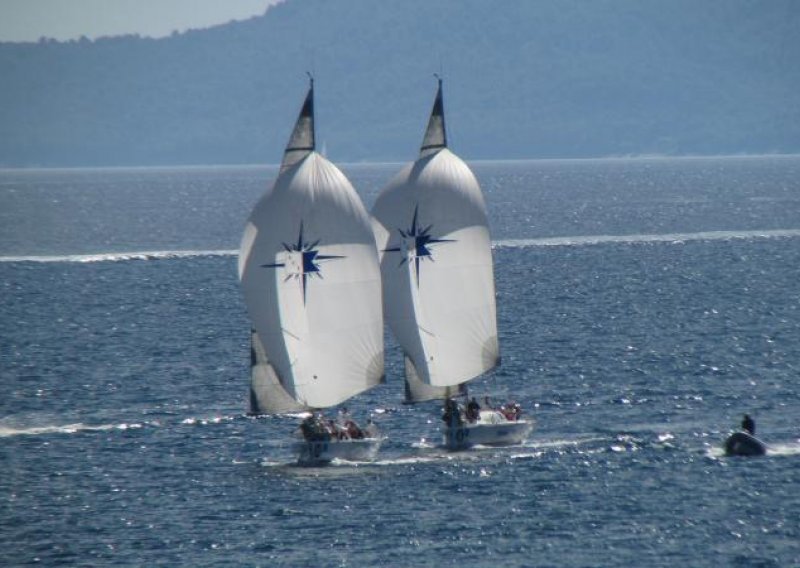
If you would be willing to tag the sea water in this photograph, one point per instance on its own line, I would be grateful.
(644, 305)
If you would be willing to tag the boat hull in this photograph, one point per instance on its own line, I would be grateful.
(744, 444)
(498, 434)
(323, 452)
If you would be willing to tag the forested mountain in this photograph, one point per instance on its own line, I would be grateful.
(523, 78)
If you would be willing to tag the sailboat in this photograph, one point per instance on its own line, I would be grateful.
(432, 232)
(744, 444)
(308, 268)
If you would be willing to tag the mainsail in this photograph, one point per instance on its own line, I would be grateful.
(432, 232)
(309, 271)
(267, 395)
(418, 391)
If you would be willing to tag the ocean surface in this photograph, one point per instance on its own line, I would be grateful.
(644, 305)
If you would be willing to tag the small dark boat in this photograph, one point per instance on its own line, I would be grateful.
(744, 444)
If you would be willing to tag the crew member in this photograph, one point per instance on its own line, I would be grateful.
(749, 425)
(473, 410)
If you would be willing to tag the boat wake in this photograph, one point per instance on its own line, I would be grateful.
(632, 239)
(587, 240)
(210, 420)
(120, 256)
(784, 449)
(10, 431)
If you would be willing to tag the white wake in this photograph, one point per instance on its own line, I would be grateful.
(120, 256)
(583, 240)
(632, 239)
(8, 431)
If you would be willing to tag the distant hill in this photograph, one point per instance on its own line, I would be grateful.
(523, 78)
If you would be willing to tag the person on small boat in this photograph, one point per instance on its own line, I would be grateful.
(749, 425)
(511, 411)
(314, 428)
(370, 430)
(451, 415)
(344, 427)
(473, 410)
(307, 428)
(353, 431)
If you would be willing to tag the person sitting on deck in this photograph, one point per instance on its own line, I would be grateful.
(313, 429)
(333, 430)
(473, 410)
(370, 430)
(345, 427)
(512, 411)
(352, 430)
(749, 425)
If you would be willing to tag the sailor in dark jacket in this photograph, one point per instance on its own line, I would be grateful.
(473, 410)
(749, 425)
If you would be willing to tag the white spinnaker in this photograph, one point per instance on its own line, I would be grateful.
(431, 227)
(311, 281)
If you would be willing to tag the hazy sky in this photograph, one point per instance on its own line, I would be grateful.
(28, 20)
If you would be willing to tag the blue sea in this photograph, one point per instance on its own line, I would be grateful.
(644, 306)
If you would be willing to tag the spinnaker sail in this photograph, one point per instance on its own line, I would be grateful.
(432, 232)
(308, 267)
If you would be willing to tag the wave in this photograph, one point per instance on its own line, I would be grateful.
(210, 420)
(7, 431)
(10, 429)
(784, 449)
(585, 240)
(120, 256)
(632, 239)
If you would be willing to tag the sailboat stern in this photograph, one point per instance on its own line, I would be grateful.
(487, 433)
(324, 452)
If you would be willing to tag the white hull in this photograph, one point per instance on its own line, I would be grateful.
(322, 452)
(507, 433)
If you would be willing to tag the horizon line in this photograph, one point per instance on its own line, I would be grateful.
(613, 157)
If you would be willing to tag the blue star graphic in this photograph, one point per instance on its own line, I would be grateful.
(309, 257)
(419, 240)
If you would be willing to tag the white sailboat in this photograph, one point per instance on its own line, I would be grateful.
(432, 232)
(308, 267)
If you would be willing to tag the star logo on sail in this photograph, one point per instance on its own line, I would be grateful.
(415, 244)
(301, 261)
